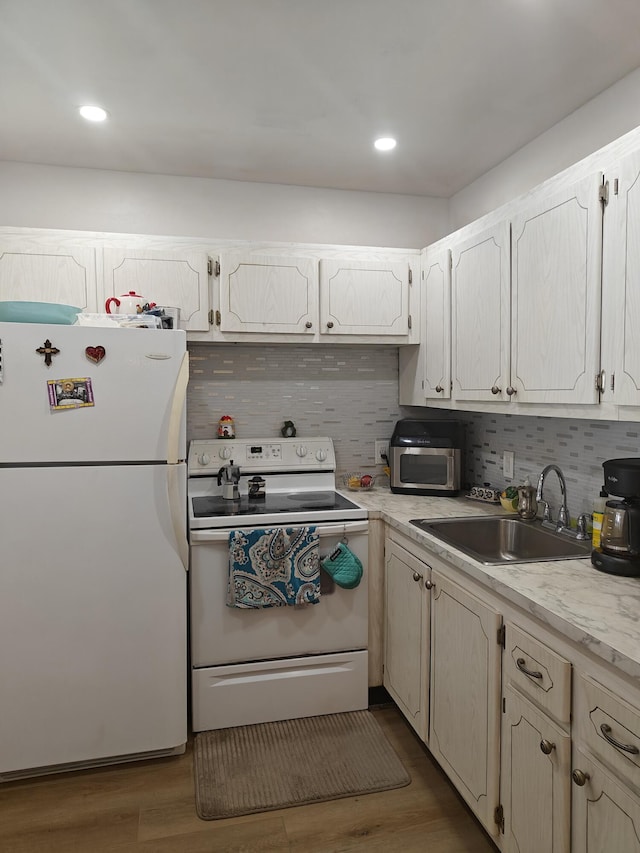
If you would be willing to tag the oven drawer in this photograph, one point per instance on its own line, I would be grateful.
(248, 693)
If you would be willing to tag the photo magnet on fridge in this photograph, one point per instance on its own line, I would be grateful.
(74, 393)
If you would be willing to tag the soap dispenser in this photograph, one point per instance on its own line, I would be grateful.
(527, 503)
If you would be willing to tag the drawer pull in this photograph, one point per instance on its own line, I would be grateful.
(546, 746)
(520, 663)
(606, 734)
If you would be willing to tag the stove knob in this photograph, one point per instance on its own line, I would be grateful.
(301, 450)
(204, 459)
(321, 455)
(225, 453)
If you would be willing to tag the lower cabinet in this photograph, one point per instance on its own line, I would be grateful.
(464, 731)
(536, 779)
(546, 756)
(406, 644)
(606, 815)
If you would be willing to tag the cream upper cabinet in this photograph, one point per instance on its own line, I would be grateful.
(267, 294)
(464, 732)
(436, 324)
(364, 298)
(168, 278)
(555, 284)
(406, 635)
(60, 274)
(481, 315)
(621, 285)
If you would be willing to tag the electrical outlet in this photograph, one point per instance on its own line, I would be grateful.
(508, 463)
(381, 447)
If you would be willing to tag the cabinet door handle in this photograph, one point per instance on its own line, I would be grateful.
(546, 746)
(308, 324)
(495, 389)
(520, 663)
(580, 778)
(417, 577)
(329, 325)
(429, 584)
(625, 747)
(439, 388)
(511, 390)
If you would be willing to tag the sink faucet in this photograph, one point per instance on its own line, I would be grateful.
(564, 519)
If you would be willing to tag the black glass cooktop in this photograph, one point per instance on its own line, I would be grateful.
(216, 507)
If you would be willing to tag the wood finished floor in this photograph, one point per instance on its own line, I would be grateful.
(149, 807)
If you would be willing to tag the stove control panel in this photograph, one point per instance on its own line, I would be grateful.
(207, 456)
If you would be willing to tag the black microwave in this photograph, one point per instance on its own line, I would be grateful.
(426, 457)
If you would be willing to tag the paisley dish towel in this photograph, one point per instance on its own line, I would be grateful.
(273, 567)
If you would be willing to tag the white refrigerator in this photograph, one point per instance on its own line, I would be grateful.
(93, 546)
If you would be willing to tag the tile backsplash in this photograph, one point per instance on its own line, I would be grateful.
(578, 447)
(350, 393)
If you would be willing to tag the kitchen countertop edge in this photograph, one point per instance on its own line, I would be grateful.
(601, 616)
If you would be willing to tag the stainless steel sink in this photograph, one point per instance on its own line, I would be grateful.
(496, 540)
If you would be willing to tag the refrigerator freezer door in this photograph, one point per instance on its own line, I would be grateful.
(92, 615)
(138, 386)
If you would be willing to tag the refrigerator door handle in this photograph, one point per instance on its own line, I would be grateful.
(178, 514)
(177, 408)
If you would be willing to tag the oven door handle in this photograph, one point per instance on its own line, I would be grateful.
(347, 528)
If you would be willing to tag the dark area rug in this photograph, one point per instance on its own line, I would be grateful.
(289, 763)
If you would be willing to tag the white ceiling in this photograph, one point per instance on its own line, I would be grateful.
(294, 91)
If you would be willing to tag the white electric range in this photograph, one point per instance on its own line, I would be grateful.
(251, 666)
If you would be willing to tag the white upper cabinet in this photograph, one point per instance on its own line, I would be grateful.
(555, 285)
(267, 294)
(60, 274)
(436, 324)
(168, 278)
(621, 285)
(480, 315)
(364, 297)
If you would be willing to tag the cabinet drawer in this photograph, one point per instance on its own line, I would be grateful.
(539, 673)
(609, 726)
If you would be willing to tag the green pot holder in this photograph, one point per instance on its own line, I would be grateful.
(343, 566)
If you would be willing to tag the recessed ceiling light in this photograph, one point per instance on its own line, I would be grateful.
(385, 143)
(93, 113)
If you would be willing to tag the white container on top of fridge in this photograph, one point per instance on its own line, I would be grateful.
(94, 549)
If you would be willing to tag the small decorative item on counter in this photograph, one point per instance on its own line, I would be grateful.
(527, 504)
(509, 499)
(484, 493)
(226, 427)
(288, 430)
(359, 481)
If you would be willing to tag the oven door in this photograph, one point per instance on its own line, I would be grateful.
(222, 634)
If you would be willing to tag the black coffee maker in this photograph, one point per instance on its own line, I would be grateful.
(619, 551)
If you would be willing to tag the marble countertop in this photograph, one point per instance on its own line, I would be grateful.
(598, 611)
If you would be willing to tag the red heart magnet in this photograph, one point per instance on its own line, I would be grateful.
(95, 354)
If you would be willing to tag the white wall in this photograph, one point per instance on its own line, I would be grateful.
(127, 202)
(600, 121)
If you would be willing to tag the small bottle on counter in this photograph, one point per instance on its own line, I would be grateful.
(598, 516)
